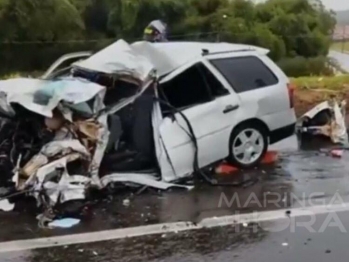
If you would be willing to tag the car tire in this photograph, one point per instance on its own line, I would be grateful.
(248, 145)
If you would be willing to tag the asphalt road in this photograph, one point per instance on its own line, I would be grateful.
(342, 58)
(255, 242)
(300, 179)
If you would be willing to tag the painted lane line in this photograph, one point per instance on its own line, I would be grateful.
(84, 238)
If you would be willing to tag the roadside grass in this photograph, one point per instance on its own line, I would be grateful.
(310, 91)
(335, 83)
(340, 46)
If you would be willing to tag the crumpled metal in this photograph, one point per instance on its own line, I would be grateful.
(335, 128)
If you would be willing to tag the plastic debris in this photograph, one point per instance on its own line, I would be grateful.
(6, 206)
(226, 169)
(285, 244)
(337, 153)
(270, 157)
(126, 202)
(64, 223)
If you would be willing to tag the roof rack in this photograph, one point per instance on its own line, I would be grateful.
(207, 52)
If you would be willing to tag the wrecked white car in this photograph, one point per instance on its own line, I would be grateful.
(144, 114)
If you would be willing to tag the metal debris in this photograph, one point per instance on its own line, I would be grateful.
(57, 135)
(326, 119)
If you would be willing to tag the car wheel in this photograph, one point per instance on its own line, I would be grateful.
(248, 145)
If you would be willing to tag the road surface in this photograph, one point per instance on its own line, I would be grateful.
(342, 58)
(192, 226)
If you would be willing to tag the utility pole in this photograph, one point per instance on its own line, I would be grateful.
(344, 38)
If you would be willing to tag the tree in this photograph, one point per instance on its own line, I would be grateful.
(128, 18)
(49, 20)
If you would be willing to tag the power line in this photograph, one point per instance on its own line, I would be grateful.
(183, 36)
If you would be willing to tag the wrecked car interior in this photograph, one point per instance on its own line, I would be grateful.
(83, 130)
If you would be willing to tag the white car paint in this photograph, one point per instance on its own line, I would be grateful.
(212, 128)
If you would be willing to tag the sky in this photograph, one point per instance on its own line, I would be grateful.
(335, 5)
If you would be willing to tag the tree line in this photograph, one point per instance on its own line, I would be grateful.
(35, 32)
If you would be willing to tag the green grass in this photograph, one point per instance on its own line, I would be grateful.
(341, 46)
(325, 82)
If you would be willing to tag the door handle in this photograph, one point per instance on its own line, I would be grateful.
(230, 108)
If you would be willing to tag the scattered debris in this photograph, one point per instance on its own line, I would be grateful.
(95, 253)
(126, 202)
(328, 251)
(288, 212)
(64, 223)
(285, 244)
(337, 153)
(271, 157)
(326, 119)
(225, 169)
(244, 224)
(6, 206)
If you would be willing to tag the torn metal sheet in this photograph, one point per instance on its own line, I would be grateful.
(328, 119)
(118, 59)
(140, 179)
(77, 116)
(42, 96)
(69, 187)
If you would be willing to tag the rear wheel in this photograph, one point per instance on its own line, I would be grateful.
(248, 145)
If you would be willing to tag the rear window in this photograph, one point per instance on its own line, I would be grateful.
(245, 73)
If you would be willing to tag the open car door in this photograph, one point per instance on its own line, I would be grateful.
(200, 95)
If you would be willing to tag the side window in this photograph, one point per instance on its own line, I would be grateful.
(185, 90)
(245, 73)
(216, 88)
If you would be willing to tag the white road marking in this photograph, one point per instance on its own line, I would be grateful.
(22, 245)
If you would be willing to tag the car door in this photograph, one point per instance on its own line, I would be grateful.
(211, 117)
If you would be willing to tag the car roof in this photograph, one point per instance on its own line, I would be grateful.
(141, 58)
(191, 48)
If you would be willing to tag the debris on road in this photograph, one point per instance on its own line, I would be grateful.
(337, 153)
(271, 157)
(64, 223)
(6, 206)
(326, 119)
(126, 202)
(225, 169)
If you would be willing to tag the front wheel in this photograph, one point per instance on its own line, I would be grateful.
(248, 145)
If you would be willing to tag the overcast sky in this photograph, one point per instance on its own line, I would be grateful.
(337, 4)
(333, 4)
